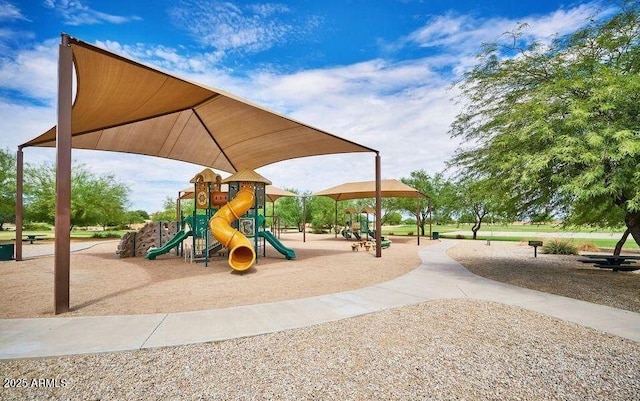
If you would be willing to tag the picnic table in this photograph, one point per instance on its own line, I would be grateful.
(615, 262)
(33, 237)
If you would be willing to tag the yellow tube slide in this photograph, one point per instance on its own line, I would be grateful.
(241, 253)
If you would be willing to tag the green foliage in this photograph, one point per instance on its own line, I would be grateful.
(7, 187)
(395, 218)
(441, 193)
(321, 211)
(168, 212)
(94, 199)
(557, 127)
(106, 234)
(289, 210)
(559, 247)
(135, 217)
(37, 227)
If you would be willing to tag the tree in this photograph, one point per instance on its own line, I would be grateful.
(557, 126)
(289, 210)
(478, 200)
(94, 199)
(168, 212)
(135, 217)
(441, 193)
(321, 211)
(7, 188)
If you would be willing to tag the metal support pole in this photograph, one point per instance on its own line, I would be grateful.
(418, 218)
(335, 221)
(378, 207)
(304, 219)
(19, 202)
(430, 219)
(63, 177)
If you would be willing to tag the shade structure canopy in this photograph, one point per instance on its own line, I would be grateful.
(124, 106)
(367, 189)
(272, 193)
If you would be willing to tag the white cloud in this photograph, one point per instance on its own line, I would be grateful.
(228, 27)
(32, 72)
(73, 12)
(402, 109)
(462, 34)
(9, 12)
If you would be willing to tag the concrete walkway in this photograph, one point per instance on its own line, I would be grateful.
(37, 250)
(437, 277)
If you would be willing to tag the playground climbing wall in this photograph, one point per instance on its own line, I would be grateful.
(151, 234)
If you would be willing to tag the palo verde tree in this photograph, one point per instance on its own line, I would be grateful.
(94, 199)
(441, 193)
(289, 210)
(557, 126)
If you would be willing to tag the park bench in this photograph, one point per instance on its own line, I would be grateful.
(32, 237)
(614, 262)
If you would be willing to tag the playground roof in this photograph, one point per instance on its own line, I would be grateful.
(367, 189)
(272, 193)
(124, 106)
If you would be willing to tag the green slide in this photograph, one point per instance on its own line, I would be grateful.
(173, 242)
(287, 252)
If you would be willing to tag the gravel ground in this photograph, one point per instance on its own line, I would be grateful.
(513, 263)
(439, 350)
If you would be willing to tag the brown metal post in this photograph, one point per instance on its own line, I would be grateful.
(418, 218)
(63, 178)
(430, 219)
(304, 219)
(378, 207)
(335, 228)
(19, 202)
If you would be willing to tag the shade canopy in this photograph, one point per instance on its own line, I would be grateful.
(275, 193)
(367, 189)
(124, 106)
(272, 193)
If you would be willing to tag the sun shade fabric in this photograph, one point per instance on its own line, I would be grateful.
(273, 193)
(127, 107)
(367, 189)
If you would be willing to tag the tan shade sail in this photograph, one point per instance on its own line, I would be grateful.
(124, 106)
(367, 189)
(272, 193)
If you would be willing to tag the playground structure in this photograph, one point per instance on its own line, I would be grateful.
(151, 235)
(232, 220)
(357, 226)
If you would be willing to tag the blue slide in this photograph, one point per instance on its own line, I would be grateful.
(287, 252)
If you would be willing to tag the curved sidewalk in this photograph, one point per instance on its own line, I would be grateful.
(437, 277)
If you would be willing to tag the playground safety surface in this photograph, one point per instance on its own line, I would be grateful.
(437, 277)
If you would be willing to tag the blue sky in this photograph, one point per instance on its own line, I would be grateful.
(375, 72)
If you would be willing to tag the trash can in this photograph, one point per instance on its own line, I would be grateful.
(6, 251)
(435, 235)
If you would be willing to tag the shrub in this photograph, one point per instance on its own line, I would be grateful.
(106, 234)
(410, 233)
(588, 247)
(560, 247)
(37, 227)
(460, 236)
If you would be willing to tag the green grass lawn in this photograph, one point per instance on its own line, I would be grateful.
(485, 234)
(6, 236)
